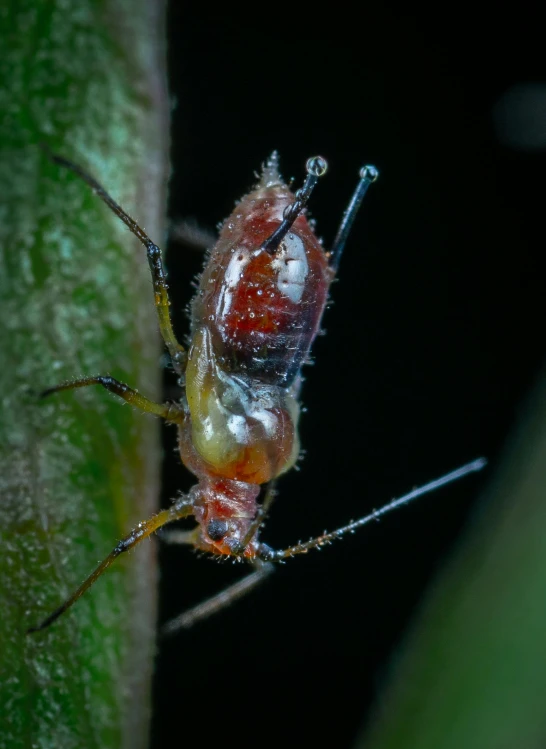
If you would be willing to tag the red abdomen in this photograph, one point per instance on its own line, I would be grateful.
(263, 311)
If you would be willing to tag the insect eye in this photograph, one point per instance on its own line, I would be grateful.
(217, 529)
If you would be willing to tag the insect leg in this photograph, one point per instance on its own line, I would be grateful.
(268, 554)
(180, 509)
(220, 600)
(192, 236)
(263, 509)
(168, 411)
(368, 175)
(155, 261)
(178, 537)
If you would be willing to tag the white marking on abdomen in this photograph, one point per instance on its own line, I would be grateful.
(292, 267)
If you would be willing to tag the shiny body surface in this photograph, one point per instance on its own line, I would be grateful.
(253, 321)
(257, 310)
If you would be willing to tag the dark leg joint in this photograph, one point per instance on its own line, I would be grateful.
(127, 543)
(168, 411)
(154, 253)
(179, 359)
(267, 554)
(121, 547)
(107, 382)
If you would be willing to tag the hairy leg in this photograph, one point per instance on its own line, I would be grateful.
(225, 598)
(155, 261)
(168, 411)
(272, 555)
(180, 509)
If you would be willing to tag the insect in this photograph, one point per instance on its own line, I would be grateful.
(257, 310)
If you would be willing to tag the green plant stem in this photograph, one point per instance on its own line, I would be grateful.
(77, 471)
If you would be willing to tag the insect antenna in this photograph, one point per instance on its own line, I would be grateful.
(271, 555)
(316, 167)
(368, 175)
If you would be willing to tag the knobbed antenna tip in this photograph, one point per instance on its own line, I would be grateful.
(317, 166)
(369, 173)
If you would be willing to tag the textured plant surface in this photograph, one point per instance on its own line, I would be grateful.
(473, 673)
(77, 471)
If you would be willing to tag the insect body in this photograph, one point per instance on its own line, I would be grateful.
(255, 315)
(254, 318)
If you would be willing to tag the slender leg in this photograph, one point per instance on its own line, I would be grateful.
(192, 236)
(268, 554)
(182, 508)
(155, 261)
(168, 411)
(178, 537)
(263, 510)
(220, 600)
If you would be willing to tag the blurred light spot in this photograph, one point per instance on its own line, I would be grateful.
(519, 117)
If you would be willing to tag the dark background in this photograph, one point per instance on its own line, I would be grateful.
(435, 336)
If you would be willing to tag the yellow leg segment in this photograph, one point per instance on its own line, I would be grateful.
(155, 261)
(168, 411)
(180, 509)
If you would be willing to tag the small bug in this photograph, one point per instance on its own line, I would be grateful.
(257, 310)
